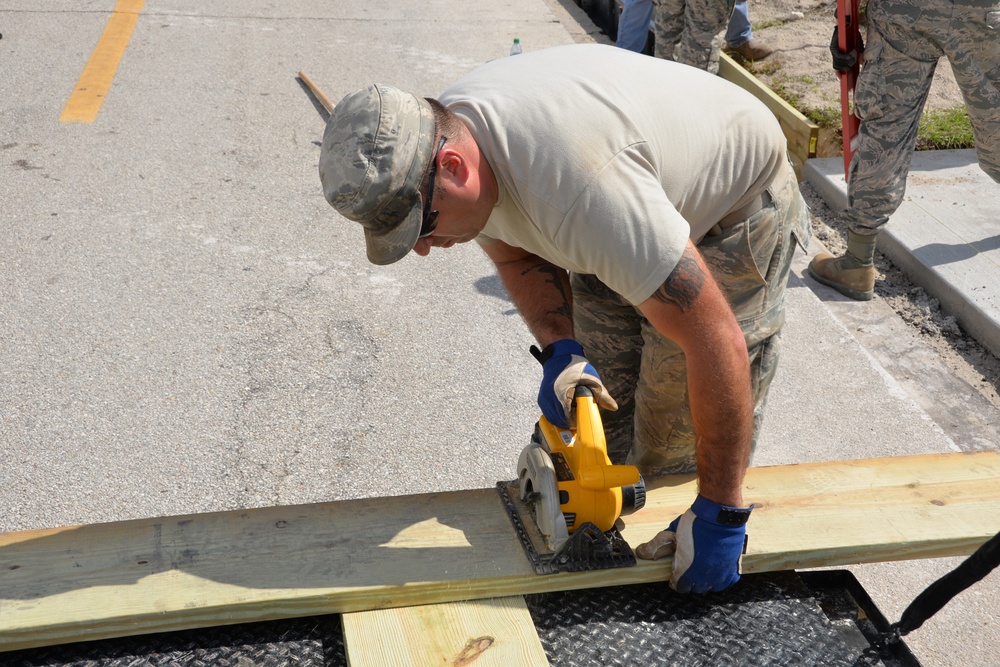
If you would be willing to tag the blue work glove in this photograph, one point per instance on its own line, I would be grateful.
(707, 543)
(564, 368)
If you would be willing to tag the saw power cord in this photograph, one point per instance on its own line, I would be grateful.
(974, 568)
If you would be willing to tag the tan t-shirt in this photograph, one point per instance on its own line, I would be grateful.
(607, 161)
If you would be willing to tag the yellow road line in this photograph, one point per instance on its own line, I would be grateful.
(90, 90)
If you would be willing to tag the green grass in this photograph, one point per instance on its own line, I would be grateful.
(825, 117)
(944, 129)
(762, 68)
(780, 84)
(757, 26)
(779, 89)
(939, 129)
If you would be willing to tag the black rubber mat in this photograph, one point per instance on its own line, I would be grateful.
(781, 619)
(302, 642)
(765, 620)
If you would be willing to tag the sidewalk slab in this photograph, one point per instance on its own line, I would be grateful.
(945, 235)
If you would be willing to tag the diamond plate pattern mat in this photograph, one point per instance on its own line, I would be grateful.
(781, 619)
(303, 642)
(764, 621)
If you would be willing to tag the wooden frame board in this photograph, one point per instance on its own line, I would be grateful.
(497, 632)
(171, 573)
(801, 133)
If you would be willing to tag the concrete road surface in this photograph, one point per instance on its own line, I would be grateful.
(186, 326)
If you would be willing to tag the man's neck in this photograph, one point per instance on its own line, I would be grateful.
(490, 190)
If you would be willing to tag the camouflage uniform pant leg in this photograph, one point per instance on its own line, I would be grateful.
(646, 372)
(905, 40)
(973, 49)
(668, 26)
(691, 31)
(664, 440)
(609, 328)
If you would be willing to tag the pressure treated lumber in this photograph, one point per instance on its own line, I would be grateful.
(163, 574)
(801, 133)
(497, 632)
(315, 90)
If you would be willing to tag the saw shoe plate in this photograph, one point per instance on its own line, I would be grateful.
(588, 548)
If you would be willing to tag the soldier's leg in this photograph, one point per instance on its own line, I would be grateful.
(972, 44)
(889, 98)
(668, 24)
(767, 243)
(664, 430)
(608, 327)
(750, 261)
(763, 332)
(763, 366)
(665, 440)
(652, 427)
(890, 95)
(705, 22)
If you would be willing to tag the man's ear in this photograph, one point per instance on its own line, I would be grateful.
(453, 166)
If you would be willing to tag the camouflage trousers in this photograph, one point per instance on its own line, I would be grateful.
(645, 371)
(691, 31)
(904, 42)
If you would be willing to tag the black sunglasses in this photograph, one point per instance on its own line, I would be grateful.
(430, 216)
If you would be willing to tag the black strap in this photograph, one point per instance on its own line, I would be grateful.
(544, 355)
(541, 355)
(733, 516)
(938, 594)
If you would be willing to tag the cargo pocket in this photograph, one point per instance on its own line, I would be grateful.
(740, 258)
(797, 215)
(870, 87)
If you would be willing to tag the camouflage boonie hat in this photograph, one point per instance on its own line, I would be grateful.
(377, 146)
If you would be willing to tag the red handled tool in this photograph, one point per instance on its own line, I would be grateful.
(849, 39)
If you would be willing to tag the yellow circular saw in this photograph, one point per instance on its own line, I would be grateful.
(569, 495)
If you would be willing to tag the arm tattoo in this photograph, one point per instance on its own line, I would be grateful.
(683, 285)
(554, 276)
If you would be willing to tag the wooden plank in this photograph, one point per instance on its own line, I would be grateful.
(315, 90)
(497, 632)
(152, 575)
(801, 133)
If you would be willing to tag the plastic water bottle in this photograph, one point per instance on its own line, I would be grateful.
(515, 47)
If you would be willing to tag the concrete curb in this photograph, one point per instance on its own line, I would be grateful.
(950, 259)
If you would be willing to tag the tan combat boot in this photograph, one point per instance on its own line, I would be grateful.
(749, 51)
(852, 274)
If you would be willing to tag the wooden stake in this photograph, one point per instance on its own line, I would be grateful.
(320, 95)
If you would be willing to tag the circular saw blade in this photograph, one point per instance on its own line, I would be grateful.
(538, 488)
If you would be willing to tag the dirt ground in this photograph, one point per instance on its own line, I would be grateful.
(800, 35)
(962, 353)
(799, 31)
